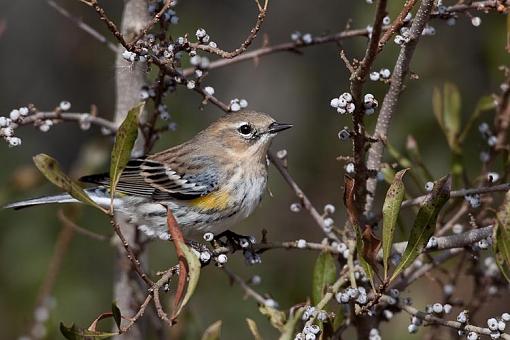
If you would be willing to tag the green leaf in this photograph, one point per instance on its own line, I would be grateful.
(50, 168)
(425, 223)
(485, 103)
(290, 325)
(275, 316)
(324, 274)
(501, 246)
(388, 173)
(213, 331)
(446, 106)
(414, 153)
(76, 333)
(254, 329)
(124, 142)
(193, 275)
(117, 316)
(391, 210)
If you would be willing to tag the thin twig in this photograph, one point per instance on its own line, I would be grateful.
(68, 116)
(154, 21)
(131, 255)
(68, 223)
(247, 289)
(302, 197)
(431, 319)
(397, 24)
(91, 31)
(246, 43)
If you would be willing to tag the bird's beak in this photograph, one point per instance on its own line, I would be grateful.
(277, 127)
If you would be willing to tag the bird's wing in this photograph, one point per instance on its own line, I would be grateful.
(161, 181)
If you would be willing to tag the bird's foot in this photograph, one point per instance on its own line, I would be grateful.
(236, 242)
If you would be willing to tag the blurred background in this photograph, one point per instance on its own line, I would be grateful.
(45, 58)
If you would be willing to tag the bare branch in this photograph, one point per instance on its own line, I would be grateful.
(88, 29)
(390, 101)
(434, 320)
(246, 43)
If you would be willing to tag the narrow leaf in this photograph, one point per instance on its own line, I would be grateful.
(254, 329)
(425, 223)
(124, 142)
(324, 274)
(451, 114)
(276, 317)
(391, 210)
(193, 275)
(290, 325)
(189, 266)
(485, 103)
(50, 168)
(117, 317)
(213, 331)
(76, 333)
(437, 106)
(502, 237)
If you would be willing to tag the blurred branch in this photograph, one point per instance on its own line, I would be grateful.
(461, 193)
(91, 31)
(60, 249)
(247, 289)
(391, 98)
(68, 223)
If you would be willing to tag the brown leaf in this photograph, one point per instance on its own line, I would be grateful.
(352, 212)
(372, 245)
(178, 239)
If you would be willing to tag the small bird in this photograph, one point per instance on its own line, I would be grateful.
(210, 182)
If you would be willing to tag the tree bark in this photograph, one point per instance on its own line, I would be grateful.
(129, 78)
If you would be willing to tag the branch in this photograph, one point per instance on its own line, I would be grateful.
(434, 320)
(91, 31)
(131, 255)
(150, 24)
(302, 197)
(357, 80)
(247, 289)
(461, 193)
(246, 43)
(69, 116)
(397, 24)
(391, 98)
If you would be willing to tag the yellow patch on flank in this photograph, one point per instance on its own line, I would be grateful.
(216, 200)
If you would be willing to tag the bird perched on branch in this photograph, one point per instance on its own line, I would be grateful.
(210, 182)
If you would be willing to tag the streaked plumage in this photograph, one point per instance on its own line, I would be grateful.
(209, 182)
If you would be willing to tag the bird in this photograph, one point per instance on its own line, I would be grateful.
(209, 183)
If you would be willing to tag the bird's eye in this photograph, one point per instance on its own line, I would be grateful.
(245, 129)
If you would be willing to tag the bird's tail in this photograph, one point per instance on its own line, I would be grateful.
(99, 195)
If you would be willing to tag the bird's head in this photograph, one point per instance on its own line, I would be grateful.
(245, 134)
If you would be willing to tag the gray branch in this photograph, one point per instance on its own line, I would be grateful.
(129, 79)
(390, 101)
